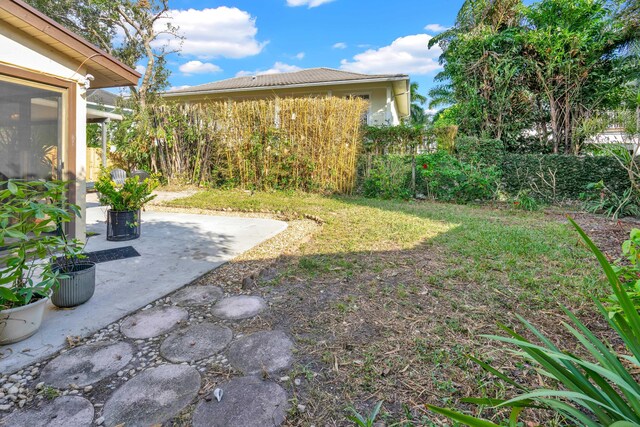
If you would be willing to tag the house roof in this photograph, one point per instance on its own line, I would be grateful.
(309, 77)
(102, 97)
(107, 70)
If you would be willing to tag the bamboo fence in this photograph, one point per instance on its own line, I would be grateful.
(309, 144)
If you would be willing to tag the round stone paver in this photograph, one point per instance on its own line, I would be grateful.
(86, 364)
(246, 402)
(197, 295)
(195, 342)
(267, 351)
(64, 411)
(153, 322)
(239, 307)
(153, 396)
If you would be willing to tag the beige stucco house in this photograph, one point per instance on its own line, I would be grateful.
(45, 71)
(388, 94)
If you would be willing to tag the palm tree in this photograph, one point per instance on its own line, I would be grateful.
(418, 115)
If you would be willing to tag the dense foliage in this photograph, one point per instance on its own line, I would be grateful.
(531, 75)
(593, 391)
(445, 177)
(556, 177)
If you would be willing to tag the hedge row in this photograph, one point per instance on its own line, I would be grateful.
(557, 177)
(546, 177)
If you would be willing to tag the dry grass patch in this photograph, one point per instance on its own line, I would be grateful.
(387, 298)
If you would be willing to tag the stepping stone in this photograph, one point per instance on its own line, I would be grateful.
(197, 295)
(86, 364)
(267, 351)
(239, 307)
(64, 411)
(153, 322)
(195, 342)
(246, 402)
(153, 396)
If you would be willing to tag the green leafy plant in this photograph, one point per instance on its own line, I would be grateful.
(32, 213)
(444, 177)
(130, 196)
(599, 198)
(628, 271)
(525, 201)
(599, 391)
(360, 420)
(388, 177)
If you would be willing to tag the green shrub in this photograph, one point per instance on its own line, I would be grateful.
(480, 151)
(387, 177)
(600, 199)
(555, 177)
(130, 196)
(444, 177)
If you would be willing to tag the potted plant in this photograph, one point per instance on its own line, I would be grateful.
(77, 280)
(31, 214)
(125, 202)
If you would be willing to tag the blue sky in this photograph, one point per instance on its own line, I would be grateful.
(224, 39)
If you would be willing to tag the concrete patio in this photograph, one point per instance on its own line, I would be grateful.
(175, 249)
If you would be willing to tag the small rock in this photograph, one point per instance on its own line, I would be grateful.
(297, 381)
(302, 408)
(22, 403)
(5, 407)
(283, 379)
(40, 386)
(88, 389)
(100, 421)
(120, 373)
(13, 390)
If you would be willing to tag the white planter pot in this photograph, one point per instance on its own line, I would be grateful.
(17, 324)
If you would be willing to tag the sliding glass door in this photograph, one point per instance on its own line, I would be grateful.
(32, 118)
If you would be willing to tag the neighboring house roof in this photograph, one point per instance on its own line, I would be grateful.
(102, 97)
(309, 77)
(107, 70)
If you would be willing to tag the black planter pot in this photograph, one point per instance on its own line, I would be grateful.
(78, 287)
(123, 225)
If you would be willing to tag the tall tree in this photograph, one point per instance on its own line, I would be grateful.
(141, 22)
(418, 101)
(571, 50)
(482, 72)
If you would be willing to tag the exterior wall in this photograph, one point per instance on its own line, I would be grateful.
(30, 55)
(382, 110)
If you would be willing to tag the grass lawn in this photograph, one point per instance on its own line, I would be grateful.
(388, 297)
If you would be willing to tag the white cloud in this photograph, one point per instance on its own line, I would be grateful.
(339, 45)
(141, 69)
(198, 67)
(278, 67)
(209, 33)
(300, 55)
(435, 28)
(179, 87)
(309, 3)
(410, 55)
